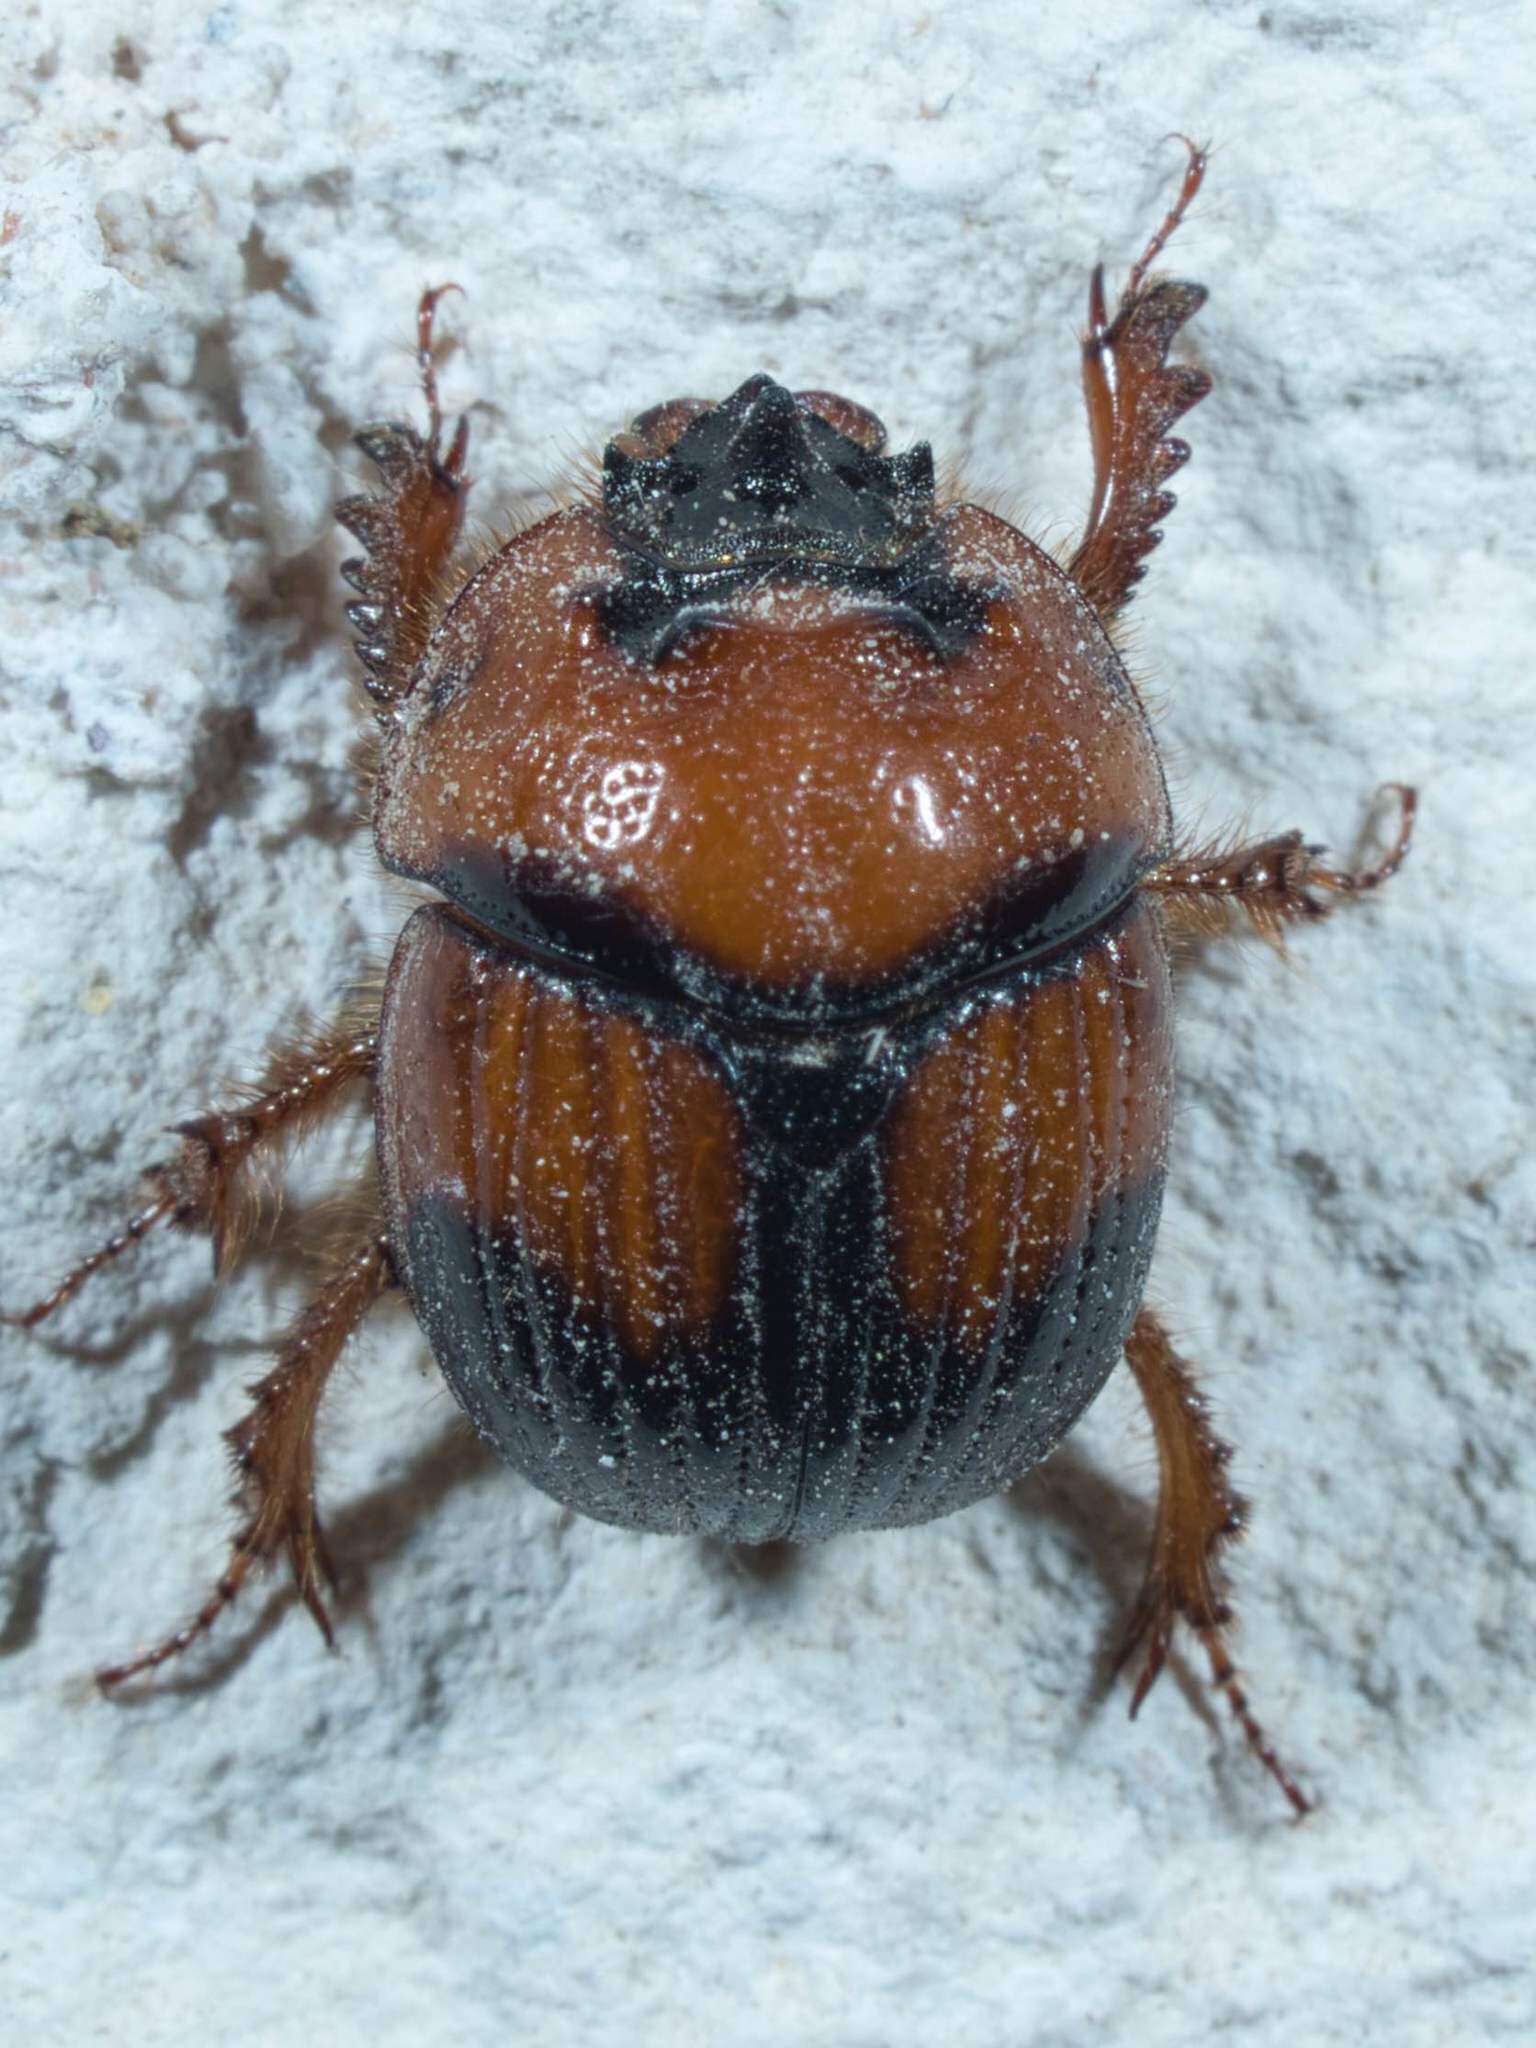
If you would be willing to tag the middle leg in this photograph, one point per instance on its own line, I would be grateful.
(208, 1184)
(1272, 882)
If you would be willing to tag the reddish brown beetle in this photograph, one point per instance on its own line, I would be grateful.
(771, 1115)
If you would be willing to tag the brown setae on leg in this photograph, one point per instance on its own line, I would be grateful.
(274, 1454)
(207, 1184)
(1198, 1513)
(1272, 882)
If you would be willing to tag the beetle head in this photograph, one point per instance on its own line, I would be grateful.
(766, 475)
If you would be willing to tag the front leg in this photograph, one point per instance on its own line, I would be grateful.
(1134, 395)
(409, 528)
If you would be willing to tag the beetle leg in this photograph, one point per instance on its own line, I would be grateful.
(206, 1185)
(1134, 395)
(1273, 882)
(1198, 1513)
(409, 530)
(274, 1454)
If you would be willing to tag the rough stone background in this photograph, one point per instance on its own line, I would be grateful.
(564, 1785)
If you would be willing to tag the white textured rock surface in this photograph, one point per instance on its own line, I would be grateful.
(564, 1785)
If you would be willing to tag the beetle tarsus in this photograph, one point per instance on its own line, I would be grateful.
(1194, 178)
(1354, 882)
(426, 360)
(159, 1211)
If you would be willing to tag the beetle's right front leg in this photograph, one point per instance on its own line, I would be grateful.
(207, 1183)
(1135, 395)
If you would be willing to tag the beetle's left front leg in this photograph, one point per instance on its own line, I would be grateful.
(1198, 1513)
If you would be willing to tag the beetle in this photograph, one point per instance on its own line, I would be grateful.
(772, 1103)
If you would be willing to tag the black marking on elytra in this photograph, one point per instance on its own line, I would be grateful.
(811, 1405)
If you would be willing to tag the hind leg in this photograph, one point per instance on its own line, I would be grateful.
(1198, 1514)
(274, 1454)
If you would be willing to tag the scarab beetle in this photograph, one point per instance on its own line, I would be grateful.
(772, 1104)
